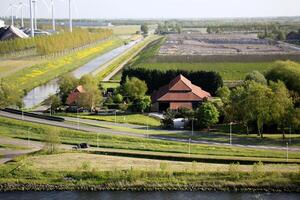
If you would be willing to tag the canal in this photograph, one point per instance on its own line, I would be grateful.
(39, 94)
(148, 196)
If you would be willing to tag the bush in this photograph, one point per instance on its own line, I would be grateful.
(234, 171)
(208, 81)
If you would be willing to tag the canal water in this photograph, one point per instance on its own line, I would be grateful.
(148, 196)
(39, 94)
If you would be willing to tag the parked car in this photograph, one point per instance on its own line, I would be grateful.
(82, 146)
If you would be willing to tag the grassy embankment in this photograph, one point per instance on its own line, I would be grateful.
(138, 119)
(230, 71)
(81, 171)
(17, 129)
(121, 60)
(142, 165)
(38, 74)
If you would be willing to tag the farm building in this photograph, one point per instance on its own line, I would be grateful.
(74, 96)
(179, 93)
(11, 32)
(2, 24)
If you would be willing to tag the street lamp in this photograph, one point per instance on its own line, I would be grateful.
(77, 119)
(192, 126)
(28, 136)
(190, 147)
(115, 117)
(230, 137)
(287, 152)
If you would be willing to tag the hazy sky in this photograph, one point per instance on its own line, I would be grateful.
(163, 8)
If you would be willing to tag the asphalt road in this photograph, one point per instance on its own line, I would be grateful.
(89, 128)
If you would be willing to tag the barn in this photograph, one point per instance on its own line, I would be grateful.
(179, 93)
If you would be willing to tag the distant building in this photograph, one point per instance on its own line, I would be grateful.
(74, 96)
(293, 36)
(11, 32)
(2, 24)
(179, 93)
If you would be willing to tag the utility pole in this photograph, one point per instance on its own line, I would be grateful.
(192, 126)
(31, 18)
(190, 147)
(70, 16)
(22, 18)
(12, 13)
(53, 19)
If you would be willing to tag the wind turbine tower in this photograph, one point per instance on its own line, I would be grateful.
(22, 19)
(12, 13)
(53, 19)
(31, 18)
(70, 16)
(34, 13)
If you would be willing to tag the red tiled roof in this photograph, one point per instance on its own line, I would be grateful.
(180, 89)
(74, 95)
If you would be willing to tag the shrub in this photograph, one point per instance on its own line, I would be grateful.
(258, 170)
(234, 171)
(208, 81)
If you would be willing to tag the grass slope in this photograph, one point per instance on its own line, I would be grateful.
(36, 75)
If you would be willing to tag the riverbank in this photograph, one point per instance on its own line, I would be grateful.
(13, 187)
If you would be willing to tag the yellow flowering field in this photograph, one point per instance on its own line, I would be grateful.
(38, 74)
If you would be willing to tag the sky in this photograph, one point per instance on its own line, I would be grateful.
(111, 9)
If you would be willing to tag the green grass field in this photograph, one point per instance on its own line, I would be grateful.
(230, 71)
(17, 129)
(138, 119)
(126, 30)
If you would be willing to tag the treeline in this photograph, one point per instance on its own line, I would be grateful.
(208, 81)
(56, 43)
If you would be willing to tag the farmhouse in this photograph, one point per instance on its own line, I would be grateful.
(11, 32)
(179, 93)
(74, 96)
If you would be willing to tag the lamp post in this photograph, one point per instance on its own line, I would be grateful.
(287, 152)
(190, 147)
(28, 137)
(115, 117)
(31, 18)
(77, 119)
(230, 130)
(192, 126)
(22, 111)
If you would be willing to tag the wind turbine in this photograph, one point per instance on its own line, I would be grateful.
(70, 16)
(34, 2)
(52, 11)
(22, 19)
(12, 13)
(31, 18)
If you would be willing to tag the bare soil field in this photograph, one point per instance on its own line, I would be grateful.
(223, 44)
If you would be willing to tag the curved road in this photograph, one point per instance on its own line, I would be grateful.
(70, 123)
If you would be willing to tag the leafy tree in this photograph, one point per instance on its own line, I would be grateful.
(118, 98)
(168, 120)
(143, 104)
(145, 29)
(134, 88)
(281, 105)
(207, 115)
(51, 140)
(288, 72)
(67, 84)
(10, 95)
(54, 102)
(92, 97)
(257, 77)
(224, 94)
